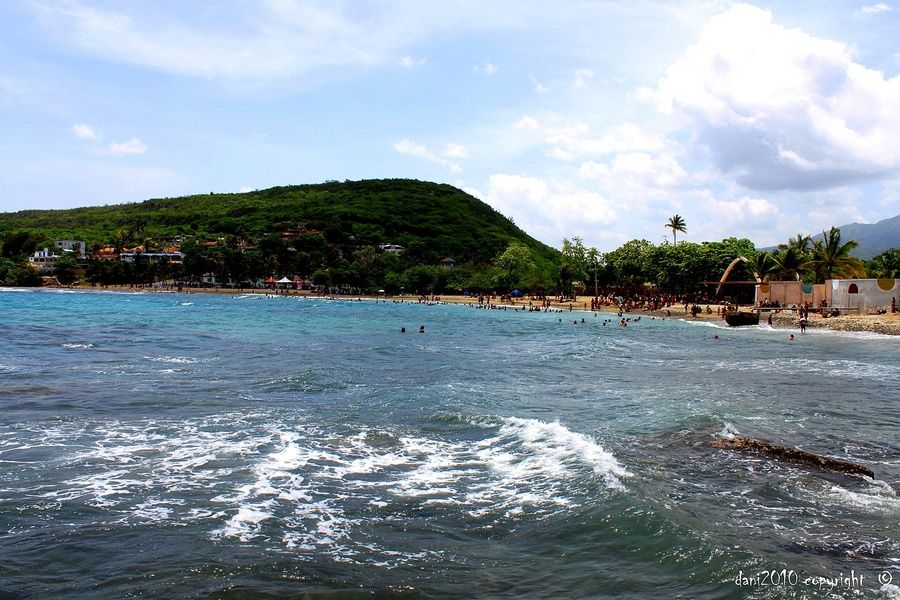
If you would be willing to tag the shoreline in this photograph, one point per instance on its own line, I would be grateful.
(886, 324)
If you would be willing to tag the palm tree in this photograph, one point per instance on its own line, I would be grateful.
(676, 223)
(886, 265)
(831, 259)
(790, 263)
(800, 242)
(762, 265)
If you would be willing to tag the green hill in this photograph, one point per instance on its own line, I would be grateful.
(434, 220)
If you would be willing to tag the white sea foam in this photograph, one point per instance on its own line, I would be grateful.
(872, 498)
(728, 431)
(78, 346)
(178, 360)
(262, 480)
(849, 369)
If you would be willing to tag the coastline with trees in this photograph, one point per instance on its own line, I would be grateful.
(392, 237)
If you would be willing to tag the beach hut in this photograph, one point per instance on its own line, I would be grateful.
(284, 282)
(270, 282)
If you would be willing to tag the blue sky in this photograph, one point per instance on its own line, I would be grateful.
(591, 119)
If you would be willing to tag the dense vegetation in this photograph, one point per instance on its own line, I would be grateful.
(331, 233)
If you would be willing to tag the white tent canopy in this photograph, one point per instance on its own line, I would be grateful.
(285, 280)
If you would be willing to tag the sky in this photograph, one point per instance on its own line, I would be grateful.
(599, 120)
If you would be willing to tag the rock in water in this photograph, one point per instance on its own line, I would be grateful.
(793, 455)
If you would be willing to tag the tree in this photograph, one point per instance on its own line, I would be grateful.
(886, 265)
(628, 263)
(64, 270)
(800, 242)
(574, 264)
(676, 223)
(762, 266)
(790, 263)
(516, 264)
(593, 261)
(831, 259)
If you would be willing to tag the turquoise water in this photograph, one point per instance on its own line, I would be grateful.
(201, 446)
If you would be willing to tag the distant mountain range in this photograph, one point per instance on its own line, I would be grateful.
(873, 238)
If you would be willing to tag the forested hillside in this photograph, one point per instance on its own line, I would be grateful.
(431, 219)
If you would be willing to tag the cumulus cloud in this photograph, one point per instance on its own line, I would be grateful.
(746, 212)
(549, 209)
(783, 110)
(85, 132)
(446, 158)
(132, 146)
(579, 139)
(636, 169)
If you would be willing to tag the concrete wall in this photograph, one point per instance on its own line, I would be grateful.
(792, 293)
(871, 294)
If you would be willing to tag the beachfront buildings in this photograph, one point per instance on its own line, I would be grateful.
(855, 295)
(76, 247)
(43, 260)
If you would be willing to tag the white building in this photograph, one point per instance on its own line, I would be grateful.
(76, 246)
(43, 259)
(392, 249)
(865, 295)
(858, 295)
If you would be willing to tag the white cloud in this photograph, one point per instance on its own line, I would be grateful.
(636, 169)
(526, 122)
(550, 210)
(246, 188)
(444, 158)
(780, 109)
(582, 76)
(132, 146)
(278, 40)
(486, 68)
(85, 132)
(455, 151)
(747, 212)
(408, 62)
(874, 9)
(579, 140)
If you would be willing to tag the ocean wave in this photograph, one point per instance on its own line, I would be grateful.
(76, 346)
(263, 479)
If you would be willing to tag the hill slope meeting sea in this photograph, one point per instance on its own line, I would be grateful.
(420, 216)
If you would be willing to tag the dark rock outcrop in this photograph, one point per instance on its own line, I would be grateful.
(794, 455)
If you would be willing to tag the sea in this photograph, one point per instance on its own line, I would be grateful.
(206, 446)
